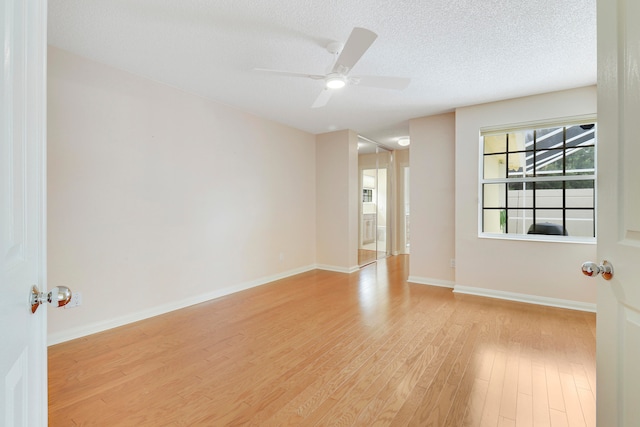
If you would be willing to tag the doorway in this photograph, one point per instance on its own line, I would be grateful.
(375, 231)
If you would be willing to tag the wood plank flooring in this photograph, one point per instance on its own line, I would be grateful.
(366, 256)
(324, 348)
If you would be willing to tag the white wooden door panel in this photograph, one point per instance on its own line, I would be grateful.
(618, 329)
(23, 391)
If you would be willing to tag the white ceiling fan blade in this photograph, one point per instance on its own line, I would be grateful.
(290, 74)
(383, 82)
(359, 41)
(322, 99)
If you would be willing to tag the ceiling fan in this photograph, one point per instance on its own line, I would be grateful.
(347, 56)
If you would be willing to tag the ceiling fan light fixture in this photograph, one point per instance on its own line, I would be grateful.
(404, 142)
(335, 82)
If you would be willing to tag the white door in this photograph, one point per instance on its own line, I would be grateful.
(23, 362)
(618, 321)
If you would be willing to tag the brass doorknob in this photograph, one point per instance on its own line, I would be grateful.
(592, 269)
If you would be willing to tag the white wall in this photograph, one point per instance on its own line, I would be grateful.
(432, 190)
(547, 270)
(337, 200)
(159, 199)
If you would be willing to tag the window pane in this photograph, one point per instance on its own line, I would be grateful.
(549, 162)
(529, 156)
(520, 141)
(548, 221)
(581, 135)
(494, 166)
(549, 194)
(579, 194)
(494, 195)
(581, 161)
(519, 220)
(549, 138)
(516, 164)
(495, 144)
(493, 220)
(520, 195)
(583, 183)
(580, 222)
(549, 215)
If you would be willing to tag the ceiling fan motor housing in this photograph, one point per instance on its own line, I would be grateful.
(335, 81)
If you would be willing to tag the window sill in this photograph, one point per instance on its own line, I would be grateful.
(540, 238)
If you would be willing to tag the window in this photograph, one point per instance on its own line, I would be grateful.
(539, 181)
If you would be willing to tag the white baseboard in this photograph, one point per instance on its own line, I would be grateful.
(430, 281)
(530, 299)
(337, 269)
(92, 328)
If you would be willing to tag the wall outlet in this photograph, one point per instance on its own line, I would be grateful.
(452, 262)
(76, 300)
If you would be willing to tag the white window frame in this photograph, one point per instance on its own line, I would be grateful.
(502, 129)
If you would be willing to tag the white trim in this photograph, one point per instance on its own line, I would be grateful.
(538, 124)
(96, 327)
(547, 238)
(529, 299)
(337, 269)
(432, 282)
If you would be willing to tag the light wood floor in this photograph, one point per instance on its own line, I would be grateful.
(325, 348)
(366, 256)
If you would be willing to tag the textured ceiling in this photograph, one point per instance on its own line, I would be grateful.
(456, 52)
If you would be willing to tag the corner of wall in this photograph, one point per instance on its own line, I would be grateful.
(432, 192)
(336, 198)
